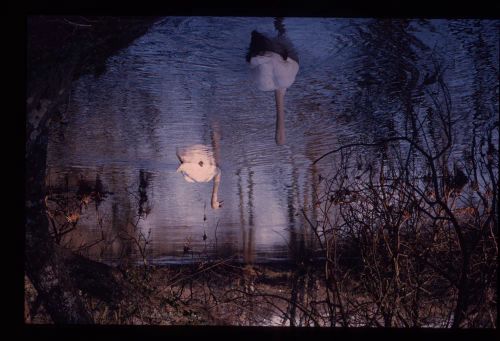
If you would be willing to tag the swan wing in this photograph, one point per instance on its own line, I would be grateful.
(270, 71)
(284, 71)
(261, 70)
(188, 178)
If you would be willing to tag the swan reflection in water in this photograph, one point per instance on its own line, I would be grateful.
(198, 165)
(274, 63)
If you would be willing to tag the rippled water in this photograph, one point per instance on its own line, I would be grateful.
(187, 82)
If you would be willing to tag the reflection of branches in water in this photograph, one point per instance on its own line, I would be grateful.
(137, 236)
(144, 204)
(64, 207)
(406, 222)
(141, 240)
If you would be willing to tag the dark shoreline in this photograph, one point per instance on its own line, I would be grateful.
(60, 49)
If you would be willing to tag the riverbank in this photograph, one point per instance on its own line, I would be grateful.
(221, 293)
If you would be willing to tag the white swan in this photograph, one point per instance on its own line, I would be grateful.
(198, 165)
(274, 64)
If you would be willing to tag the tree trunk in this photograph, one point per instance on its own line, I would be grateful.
(59, 50)
(45, 267)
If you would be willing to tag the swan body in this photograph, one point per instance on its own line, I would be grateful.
(198, 165)
(271, 72)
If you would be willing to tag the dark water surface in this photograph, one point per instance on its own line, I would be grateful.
(187, 82)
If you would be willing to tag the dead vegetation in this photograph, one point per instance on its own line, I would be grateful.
(405, 229)
(405, 234)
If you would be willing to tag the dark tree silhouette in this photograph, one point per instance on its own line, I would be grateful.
(60, 49)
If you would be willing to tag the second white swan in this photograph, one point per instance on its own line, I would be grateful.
(198, 165)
